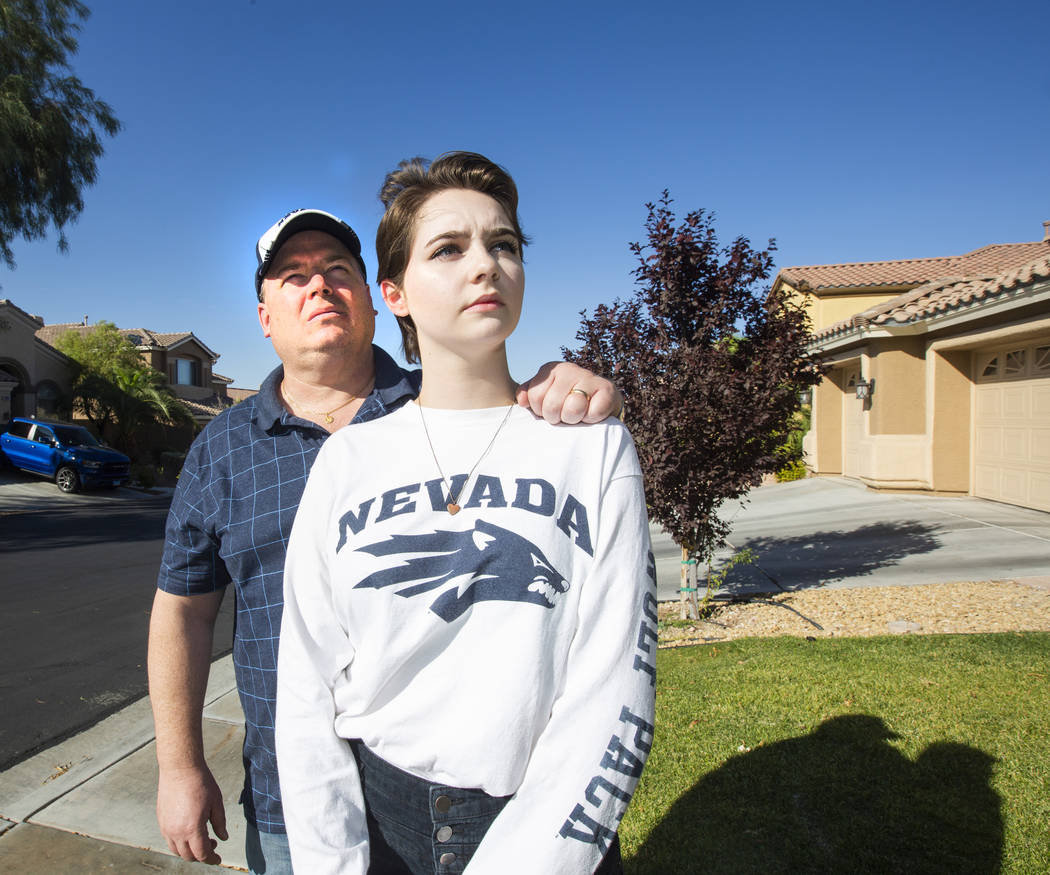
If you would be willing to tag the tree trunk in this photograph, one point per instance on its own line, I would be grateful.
(687, 606)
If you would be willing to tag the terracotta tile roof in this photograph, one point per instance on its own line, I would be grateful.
(140, 337)
(239, 395)
(154, 339)
(940, 296)
(206, 408)
(50, 333)
(169, 339)
(984, 262)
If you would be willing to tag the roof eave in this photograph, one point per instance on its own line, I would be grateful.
(861, 333)
(191, 336)
(1033, 293)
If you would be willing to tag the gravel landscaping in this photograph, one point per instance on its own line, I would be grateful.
(963, 607)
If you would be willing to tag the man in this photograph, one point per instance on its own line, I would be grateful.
(233, 510)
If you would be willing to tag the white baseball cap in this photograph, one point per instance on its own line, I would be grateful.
(303, 220)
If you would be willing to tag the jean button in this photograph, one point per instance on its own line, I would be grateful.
(447, 859)
(444, 834)
(442, 804)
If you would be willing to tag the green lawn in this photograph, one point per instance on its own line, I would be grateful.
(863, 755)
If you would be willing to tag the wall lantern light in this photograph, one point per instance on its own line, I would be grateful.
(865, 389)
(805, 396)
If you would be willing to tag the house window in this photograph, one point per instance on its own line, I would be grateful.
(187, 372)
(1041, 360)
(1014, 363)
(47, 398)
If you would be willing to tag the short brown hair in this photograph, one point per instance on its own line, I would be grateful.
(405, 191)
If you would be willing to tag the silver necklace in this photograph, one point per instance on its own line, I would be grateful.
(453, 498)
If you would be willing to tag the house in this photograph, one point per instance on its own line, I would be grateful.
(182, 357)
(34, 376)
(939, 371)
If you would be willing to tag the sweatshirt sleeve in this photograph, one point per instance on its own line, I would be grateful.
(587, 761)
(320, 786)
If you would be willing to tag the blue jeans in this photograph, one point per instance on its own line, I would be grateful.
(267, 852)
(419, 828)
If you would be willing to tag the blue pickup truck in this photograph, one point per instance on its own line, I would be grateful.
(69, 454)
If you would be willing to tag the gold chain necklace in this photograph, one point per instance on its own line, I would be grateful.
(453, 499)
(328, 418)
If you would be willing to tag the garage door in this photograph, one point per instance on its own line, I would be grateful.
(1012, 425)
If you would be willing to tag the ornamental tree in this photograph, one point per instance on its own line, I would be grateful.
(114, 389)
(51, 124)
(711, 362)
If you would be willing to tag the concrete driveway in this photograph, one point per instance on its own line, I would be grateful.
(830, 531)
(20, 491)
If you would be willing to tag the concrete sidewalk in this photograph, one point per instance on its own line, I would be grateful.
(87, 805)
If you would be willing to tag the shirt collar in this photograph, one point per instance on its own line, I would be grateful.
(393, 386)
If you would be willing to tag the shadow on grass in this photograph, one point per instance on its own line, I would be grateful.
(820, 558)
(841, 799)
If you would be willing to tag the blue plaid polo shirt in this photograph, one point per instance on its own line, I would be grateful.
(230, 520)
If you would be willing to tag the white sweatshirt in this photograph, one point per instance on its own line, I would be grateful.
(509, 647)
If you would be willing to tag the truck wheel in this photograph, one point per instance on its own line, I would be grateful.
(67, 479)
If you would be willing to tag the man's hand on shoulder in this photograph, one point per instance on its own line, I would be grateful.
(187, 799)
(564, 392)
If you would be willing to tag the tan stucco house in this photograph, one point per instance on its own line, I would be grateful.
(34, 376)
(954, 356)
(181, 356)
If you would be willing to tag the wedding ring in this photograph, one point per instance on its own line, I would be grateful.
(579, 391)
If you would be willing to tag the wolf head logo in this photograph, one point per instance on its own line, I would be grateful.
(487, 563)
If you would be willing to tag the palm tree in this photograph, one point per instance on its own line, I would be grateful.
(143, 398)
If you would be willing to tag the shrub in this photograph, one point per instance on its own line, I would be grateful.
(792, 471)
(146, 475)
(170, 466)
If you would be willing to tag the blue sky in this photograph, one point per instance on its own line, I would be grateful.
(847, 131)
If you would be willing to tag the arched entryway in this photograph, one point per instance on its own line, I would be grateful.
(14, 381)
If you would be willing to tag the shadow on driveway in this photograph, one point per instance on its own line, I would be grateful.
(822, 558)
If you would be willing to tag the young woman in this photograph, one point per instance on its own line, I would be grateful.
(466, 675)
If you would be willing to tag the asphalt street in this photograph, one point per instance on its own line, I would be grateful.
(78, 577)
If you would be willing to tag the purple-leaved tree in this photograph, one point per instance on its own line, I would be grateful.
(712, 364)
